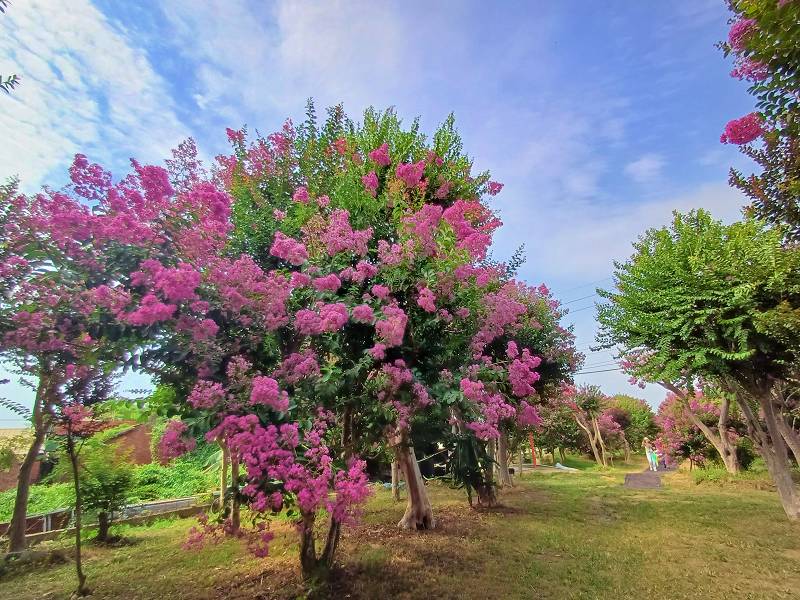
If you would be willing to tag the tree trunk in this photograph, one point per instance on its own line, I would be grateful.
(223, 477)
(395, 481)
(331, 544)
(781, 471)
(592, 441)
(561, 454)
(82, 590)
(235, 516)
(627, 448)
(772, 447)
(17, 542)
(790, 436)
(520, 460)
(504, 477)
(308, 550)
(103, 524)
(599, 439)
(419, 513)
(487, 492)
(720, 440)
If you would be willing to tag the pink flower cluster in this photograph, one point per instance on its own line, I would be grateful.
(380, 155)
(206, 395)
(339, 236)
(328, 283)
(522, 374)
(751, 70)
(175, 442)
(493, 188)
(743, 130)
(288, 249)
(265, 391)
(363, 313)
(473, 225)
(301, 195)
(329, 318)
(298, 366)
(426, 300)
(492, 406)
(423, 226)
(370, 181)
(392, 327)
(739, 32)
(410, 173)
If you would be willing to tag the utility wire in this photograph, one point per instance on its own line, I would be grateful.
(581, 298)
(580, 309)
(577, 287)
(602, 371)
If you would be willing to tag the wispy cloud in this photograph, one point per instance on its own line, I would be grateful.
(646, 169)
(85, 88)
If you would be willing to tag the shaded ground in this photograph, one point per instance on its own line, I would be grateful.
(559, 535)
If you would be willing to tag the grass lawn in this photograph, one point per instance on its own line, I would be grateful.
(558, 535)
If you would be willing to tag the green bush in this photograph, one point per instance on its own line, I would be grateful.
(185, 476)
(42, 499)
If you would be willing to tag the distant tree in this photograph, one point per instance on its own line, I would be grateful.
(641, 420)
(106, 478)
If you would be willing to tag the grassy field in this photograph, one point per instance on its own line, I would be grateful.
(557, 535)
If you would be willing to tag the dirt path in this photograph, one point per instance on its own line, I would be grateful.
(646, 480)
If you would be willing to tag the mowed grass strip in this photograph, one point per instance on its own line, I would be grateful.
(557, 535)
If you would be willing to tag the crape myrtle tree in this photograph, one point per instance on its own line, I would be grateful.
(64, 258)
(718, 303)
(680, 438)
(383, 237)
(587, 405)
(763, 42)
(524, 360)
(688, 395)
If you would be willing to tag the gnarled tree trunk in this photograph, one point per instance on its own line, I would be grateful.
(721, 440)
(419, 513)
(592, 442)
(600, 442)
(790, 436)
(772, 448)
(17, 541)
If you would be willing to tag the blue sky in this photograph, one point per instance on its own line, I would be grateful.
(599, 117)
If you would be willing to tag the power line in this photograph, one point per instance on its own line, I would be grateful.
(577, 287)
(580, 309)
(605, 363)
(581, 298)
(602, 371)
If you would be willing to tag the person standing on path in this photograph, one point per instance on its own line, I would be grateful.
(650, 451)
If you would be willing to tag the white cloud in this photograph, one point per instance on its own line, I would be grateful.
(85, 88)
(580, 239)
(645, 169)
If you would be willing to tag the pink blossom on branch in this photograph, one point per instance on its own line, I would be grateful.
(743, 130)
(380, 155)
